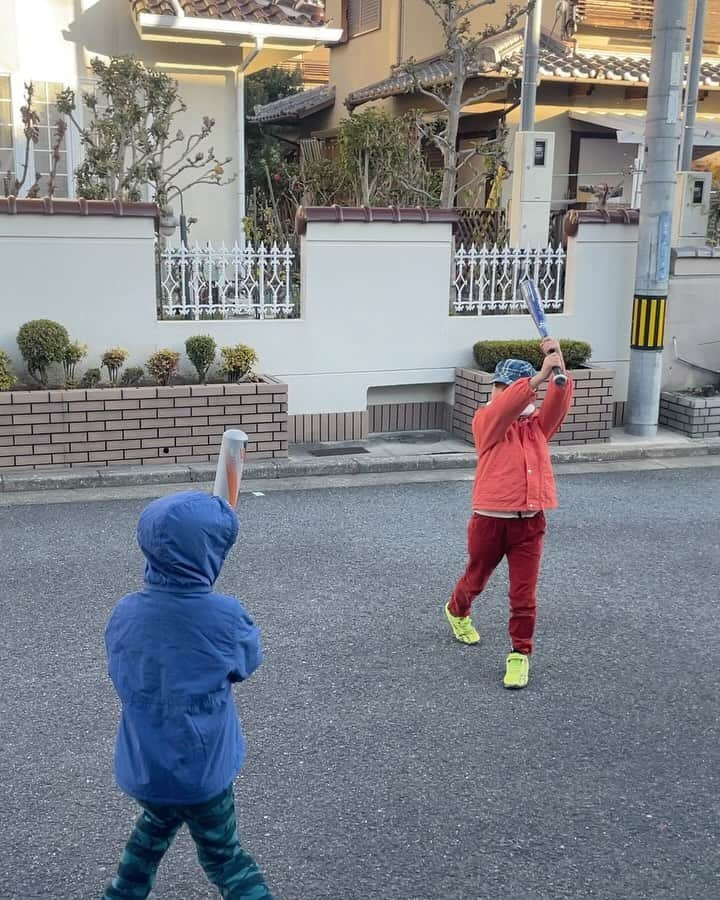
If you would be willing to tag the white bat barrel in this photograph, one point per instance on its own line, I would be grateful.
(231, 463)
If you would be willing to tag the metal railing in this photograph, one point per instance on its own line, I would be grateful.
(487, 278)
(228, 282)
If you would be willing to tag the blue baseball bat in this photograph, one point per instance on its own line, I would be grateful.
(531, 297)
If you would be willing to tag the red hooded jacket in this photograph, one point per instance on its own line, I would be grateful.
(514, 472)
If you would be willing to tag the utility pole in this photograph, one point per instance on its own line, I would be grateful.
(662, 136)
(693, 83)
(530, 67)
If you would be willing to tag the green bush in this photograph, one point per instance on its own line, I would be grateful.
(91, 378)
(201, 350)
(113, 360)
(7, 379)
(74, 352)
(132, 376)
(489, 353)
(163, 365)
(239, 361)
(42, 342)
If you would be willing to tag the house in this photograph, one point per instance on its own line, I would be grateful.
(594, 72)
(209, 46)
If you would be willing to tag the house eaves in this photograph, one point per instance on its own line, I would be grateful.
(296, 107)
(437, 71)
(558, 62)
(273, 31)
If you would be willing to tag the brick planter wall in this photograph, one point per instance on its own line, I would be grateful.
(589, 420)
(144, 425)
(697, 417)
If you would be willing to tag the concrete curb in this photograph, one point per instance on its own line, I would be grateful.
(313, 467)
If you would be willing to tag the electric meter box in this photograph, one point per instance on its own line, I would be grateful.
(533, 161)
(534, 153)
(692, 209)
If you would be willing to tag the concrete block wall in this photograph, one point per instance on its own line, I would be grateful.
(589, 421)
(146, 425)
(697, 417)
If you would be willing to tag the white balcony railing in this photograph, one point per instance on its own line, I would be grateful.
(228, 282)
(487, 278)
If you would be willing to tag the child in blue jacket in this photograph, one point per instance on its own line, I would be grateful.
(175, 648)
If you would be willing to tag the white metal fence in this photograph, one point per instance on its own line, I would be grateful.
(228, 282)
(487, 278)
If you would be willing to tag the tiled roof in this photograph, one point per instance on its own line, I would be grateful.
(435, 71)
(556, 61)
(297, 106)
(266, 12)
(49, 206)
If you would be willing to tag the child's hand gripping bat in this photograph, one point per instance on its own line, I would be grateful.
(531, 297)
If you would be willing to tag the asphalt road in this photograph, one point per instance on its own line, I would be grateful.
(386, 761)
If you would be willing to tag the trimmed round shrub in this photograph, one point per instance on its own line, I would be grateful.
(91, 378)
(42, 342)
(489, 353)
(132, 376)
(163, 365)
(7, 379)
(201, 350)
(238, 361)
(113, 360)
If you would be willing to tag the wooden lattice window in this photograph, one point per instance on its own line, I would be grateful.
(364, 16)
(614, 14)
(637, 15)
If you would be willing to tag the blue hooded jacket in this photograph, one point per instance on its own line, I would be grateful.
(174, 649)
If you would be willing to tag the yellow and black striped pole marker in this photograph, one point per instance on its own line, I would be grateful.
(648, 323)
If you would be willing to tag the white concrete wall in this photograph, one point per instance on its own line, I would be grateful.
(375, 304)
(599, 294)
(693, 318)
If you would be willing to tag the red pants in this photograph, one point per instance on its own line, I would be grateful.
(489, 540)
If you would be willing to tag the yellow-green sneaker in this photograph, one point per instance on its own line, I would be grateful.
(462, 627)
(517, 671)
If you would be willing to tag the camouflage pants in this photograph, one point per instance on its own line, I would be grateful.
(213, 828)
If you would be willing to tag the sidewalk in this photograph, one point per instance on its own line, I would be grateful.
(401, 452)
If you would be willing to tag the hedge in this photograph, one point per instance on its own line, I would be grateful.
(489, 353)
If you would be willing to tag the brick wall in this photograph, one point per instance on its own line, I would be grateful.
(146, 425)
(697, 417)
(589, 420)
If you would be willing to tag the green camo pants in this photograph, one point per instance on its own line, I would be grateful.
(213, 828)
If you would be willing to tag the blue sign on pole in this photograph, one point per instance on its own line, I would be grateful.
(662, 268)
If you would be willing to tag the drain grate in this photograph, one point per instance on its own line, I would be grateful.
(337, 451)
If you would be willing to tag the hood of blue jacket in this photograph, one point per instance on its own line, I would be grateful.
(186, 538)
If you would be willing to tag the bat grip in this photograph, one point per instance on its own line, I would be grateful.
(559, 377)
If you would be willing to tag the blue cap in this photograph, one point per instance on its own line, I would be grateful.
(508, 371)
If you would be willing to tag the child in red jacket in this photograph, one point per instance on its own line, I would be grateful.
(514, 484)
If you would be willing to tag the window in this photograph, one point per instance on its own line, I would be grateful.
(44, 103)
(12, 138)
(613, 14)
(364, 16)
(7, 152)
